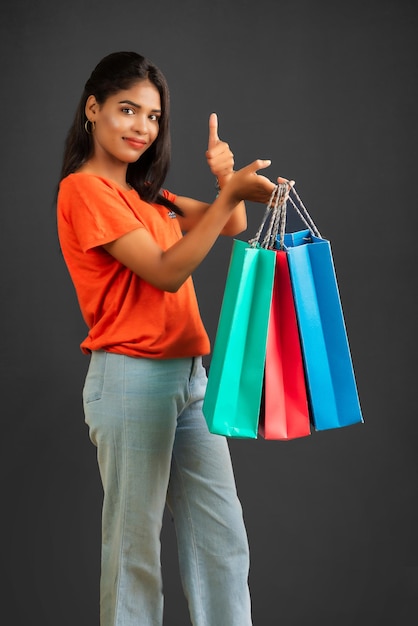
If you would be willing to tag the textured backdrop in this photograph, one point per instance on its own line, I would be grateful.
(328, 91)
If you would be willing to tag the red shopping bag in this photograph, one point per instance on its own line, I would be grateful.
(284, 412)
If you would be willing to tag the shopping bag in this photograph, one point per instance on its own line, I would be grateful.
(333, 395)
(284, 410)
(235, 378)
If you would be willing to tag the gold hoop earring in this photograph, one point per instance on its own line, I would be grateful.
(89, 130)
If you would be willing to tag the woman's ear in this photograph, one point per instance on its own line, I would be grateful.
(91, 108)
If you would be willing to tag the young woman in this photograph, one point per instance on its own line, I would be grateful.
(131, 247)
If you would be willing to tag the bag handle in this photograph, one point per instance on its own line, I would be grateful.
(306, 218)
(274, 216)
(303, 213)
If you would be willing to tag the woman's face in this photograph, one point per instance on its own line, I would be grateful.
(126, 125)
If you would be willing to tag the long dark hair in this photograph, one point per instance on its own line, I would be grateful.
(116, 72)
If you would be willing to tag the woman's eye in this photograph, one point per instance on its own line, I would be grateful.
(154, 118)
(128, 111)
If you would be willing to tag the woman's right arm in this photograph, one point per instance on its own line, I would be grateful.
(168, 269)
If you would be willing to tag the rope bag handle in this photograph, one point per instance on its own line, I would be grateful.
(272, 217)
(275, 216)
(303, 213)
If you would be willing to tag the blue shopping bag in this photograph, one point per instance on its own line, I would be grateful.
(332, 388)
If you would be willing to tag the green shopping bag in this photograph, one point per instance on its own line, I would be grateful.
(235, 380)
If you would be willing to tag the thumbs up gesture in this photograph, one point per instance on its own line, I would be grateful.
(219, 156)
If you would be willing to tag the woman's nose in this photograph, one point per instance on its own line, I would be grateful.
(141, 124)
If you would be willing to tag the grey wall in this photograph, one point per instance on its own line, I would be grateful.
(328, 91)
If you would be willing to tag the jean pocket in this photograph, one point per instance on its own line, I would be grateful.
(94, 383)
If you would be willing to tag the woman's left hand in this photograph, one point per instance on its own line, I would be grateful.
(219, 156)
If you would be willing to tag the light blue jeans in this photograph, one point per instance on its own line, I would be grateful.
(153, 447)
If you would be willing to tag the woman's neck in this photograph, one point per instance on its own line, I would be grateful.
(118, 175)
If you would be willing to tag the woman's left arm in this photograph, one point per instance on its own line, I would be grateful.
(221, 162)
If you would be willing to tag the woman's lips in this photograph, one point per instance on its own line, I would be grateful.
(138, 144)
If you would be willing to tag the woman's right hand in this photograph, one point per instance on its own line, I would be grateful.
(246, 184)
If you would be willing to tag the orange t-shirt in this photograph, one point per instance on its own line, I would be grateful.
(123, 312)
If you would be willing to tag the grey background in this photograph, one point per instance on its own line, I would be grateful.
(328, 91)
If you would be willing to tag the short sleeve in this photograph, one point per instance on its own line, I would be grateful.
(97, 211)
